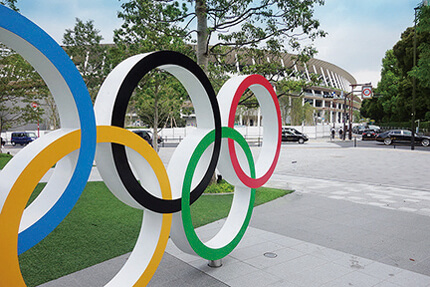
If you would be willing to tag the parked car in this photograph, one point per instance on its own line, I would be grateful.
(374, 128)
(22, 138)
(360, 129)
(293, 135)
(293, 130)
(402, 136)
(368, 135)
(3, 142)
(147, 135)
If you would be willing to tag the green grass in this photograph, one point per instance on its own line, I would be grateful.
(220, 187)
(101, 227)
(4, 159)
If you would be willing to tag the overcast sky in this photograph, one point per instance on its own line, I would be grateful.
(359, 31)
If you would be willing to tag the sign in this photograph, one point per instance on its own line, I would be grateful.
(34, 105)
(366, 92)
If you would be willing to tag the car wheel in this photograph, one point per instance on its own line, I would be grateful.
(13, 143)
(387, 141)
(425, 142)
(301, 141)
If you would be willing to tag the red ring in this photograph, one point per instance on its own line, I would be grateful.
(245, 84)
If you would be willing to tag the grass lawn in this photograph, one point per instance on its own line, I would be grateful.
(101, 227)
(4, 159)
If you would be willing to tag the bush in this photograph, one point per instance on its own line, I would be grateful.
(221, 187)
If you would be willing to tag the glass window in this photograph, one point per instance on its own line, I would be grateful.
(407, 133)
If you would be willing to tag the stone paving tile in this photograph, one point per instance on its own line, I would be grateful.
(334, 230)
(408, 278)
(353, 279)
(257, 279)
(282, 255)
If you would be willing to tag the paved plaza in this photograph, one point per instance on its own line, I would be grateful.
(358, 217)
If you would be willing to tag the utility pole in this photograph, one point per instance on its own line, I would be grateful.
(344, 117)
(351, 106)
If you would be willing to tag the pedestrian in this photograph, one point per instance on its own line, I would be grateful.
(333, 132)
(340, 133)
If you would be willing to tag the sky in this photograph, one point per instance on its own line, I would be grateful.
(359, 31)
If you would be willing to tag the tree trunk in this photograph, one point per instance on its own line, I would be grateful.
(202, 34)
(202, 42)
(155, 126)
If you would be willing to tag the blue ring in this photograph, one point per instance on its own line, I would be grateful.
(39, 39)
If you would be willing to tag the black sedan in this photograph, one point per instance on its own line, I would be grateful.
(368, 135)
(291, 136)
(402, 136)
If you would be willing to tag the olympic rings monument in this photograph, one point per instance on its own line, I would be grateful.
(128, 165)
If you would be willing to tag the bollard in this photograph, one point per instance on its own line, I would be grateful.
(355, 142)
(215, 263)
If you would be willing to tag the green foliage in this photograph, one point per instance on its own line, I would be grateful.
(101, 227)
(394, 93)
(221, 187)
(301, 113)
(82, 44)
(159, 97)
(10, 3)
(20, 86)
(271, 25)
(146, 28)
(422, 70)
(254, 31)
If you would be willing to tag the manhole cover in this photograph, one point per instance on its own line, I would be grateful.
(270, 255)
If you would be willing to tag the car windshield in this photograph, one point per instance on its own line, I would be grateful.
(407, 133)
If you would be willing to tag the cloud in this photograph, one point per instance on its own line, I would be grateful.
(360, 32)
(56, 16)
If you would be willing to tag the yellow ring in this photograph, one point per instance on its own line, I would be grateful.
(11, 213)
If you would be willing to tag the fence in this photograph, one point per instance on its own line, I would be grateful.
(253, 135)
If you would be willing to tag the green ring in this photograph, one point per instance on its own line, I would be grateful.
(198, 246)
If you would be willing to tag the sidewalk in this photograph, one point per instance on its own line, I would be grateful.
(369, 227)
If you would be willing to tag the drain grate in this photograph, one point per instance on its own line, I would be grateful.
(270, 255)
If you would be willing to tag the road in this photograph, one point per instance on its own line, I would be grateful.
(375, 144)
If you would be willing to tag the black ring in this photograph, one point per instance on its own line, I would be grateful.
(130, 82)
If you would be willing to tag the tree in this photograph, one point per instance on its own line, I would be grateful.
(82, 44)
(20, 86)
(394, 93)
(10, 3)
(241, 23)
(158, 96)
(403, 50)
(243, 26)
(385, 106)
(422, 70)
